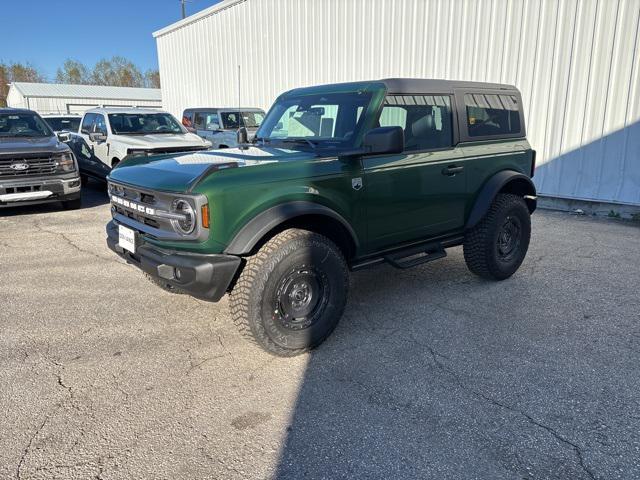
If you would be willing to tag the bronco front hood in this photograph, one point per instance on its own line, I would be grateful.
(178, 172)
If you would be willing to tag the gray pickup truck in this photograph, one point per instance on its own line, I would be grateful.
(35, 167)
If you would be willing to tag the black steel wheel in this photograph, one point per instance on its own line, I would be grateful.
(496, 247)
(291, 294)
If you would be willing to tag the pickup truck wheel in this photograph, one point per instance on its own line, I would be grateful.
(291, 293)
(495, 248)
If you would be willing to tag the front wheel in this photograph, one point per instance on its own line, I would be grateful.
(291, 293)
(495, 248)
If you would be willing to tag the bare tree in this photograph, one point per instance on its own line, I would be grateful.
(74, 72)
(118, 72)
(16, 72)
(152, 79)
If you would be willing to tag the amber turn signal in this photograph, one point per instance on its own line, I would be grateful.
(205, 215)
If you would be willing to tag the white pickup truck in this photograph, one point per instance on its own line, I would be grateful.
(115, 133)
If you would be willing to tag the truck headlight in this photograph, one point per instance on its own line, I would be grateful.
(65, 162)
(187, 224)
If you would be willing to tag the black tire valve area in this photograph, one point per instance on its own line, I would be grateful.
(291, 293)
(495, 248)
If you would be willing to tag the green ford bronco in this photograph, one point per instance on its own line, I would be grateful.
(338, 178)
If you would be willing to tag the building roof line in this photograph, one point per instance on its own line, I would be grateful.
(61, 90)
(207, 12)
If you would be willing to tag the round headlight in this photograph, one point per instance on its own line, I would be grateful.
(188, 225)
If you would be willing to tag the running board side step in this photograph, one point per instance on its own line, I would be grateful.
(410, 255)
(408, 259)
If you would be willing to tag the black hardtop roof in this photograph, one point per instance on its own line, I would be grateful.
(423, 85)
(410, 86)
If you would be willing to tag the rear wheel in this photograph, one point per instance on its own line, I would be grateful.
(496, 247)
(292, 293)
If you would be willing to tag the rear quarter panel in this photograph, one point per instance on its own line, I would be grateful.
(485, 159)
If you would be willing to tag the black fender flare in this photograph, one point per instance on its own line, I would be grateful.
(494, 185)
(253, 231)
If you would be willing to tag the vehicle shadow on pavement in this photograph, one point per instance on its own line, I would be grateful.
(94, 194)
(434, 373)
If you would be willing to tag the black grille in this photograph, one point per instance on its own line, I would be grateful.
(41, 164)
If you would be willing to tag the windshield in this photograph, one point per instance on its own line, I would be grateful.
(59, 124)
(319, 120)
(143, 123)
(23, 125)
(234, 120)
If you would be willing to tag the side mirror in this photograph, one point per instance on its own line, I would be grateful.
(64, 135)
(243, 136)
(384, 140)
(190, 129)
(97, 137)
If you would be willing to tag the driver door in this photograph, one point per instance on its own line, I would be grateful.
(421, 192)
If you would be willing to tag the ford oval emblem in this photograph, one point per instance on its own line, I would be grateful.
(19, 166)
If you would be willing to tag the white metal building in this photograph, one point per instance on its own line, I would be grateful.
(61, 98)
(576, 62)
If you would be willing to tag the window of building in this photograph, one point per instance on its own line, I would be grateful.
(489, 114)
(425, 119)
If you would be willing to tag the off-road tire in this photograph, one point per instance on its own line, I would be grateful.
(162, 284)
(72, 204)
(257, 298)
(481, 248)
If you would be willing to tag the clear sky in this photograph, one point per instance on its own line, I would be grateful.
(46, 32)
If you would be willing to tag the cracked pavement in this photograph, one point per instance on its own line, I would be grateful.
(432, 373)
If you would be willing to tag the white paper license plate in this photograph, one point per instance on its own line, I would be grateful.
(127, 238)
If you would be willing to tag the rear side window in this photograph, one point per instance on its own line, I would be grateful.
(87, 123)
(492, 115)
(206, 121)
(425, 119)
(187, 118)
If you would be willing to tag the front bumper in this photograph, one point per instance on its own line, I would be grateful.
(203, 276)
(36, 190)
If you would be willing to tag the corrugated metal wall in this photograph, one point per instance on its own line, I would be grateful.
(44, 105)
(577, 63)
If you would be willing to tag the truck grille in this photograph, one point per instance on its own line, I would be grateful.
(24, 166)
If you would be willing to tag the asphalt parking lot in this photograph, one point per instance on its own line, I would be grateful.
(432, 372)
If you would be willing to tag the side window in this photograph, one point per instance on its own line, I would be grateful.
(87, 123)
(211, 121)
(187, 119)
(198, 120)
(489, 114)
(100, 125)
(425, 119)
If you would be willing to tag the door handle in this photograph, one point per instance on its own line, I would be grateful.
(451, 170)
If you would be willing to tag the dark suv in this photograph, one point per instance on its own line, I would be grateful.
(35, 167)
(338, 178)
